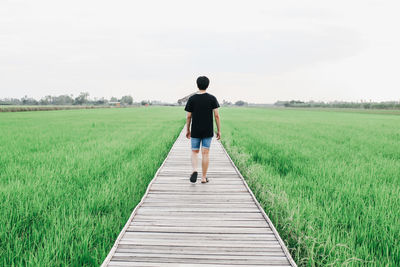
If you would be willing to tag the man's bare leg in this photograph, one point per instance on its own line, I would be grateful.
(193, 177)
(195, 160)
(204, 162)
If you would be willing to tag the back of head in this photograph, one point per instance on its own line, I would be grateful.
(202, 82)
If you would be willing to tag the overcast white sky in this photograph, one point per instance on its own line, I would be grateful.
(258, 51)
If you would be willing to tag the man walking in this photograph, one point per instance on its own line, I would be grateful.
(200, 108)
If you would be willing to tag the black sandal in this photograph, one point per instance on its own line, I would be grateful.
(193, 177)
(205, 181)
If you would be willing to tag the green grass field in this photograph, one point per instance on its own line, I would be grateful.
(330, 181)
(70, 179)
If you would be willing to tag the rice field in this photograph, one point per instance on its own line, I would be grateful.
(330, 181)
(70, 179)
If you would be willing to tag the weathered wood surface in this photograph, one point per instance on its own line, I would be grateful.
(178, 223)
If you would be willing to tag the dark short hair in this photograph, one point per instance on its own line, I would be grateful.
(202, 82)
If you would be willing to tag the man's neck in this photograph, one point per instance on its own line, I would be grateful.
(202, 92)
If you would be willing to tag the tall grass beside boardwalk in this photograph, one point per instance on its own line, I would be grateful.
(69, 180)
(330, 181)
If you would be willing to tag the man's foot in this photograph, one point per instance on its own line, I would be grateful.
(205, 180)
(193, 177)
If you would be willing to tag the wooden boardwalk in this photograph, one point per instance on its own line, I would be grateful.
(178, 223)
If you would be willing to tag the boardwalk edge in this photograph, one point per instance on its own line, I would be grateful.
(284, 248)
(114, 247)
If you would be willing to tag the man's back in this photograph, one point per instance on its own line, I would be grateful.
(199, 126)
(201, 106)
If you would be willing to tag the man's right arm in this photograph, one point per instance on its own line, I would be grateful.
(216, 116)
(189, 109)
(188, 121)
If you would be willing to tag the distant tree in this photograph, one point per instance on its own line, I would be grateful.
(16, 101)
(29, 101)
(81, 99)
(62, 100)
(293, 102)
(113, 99)
(156, 102)
(5, 101)
(280, 103)
(240, 103)
(145, 102)
(127, 99)
(10, 101)
(47, 100)
(340, 104)
(101, 101)
(226, 103)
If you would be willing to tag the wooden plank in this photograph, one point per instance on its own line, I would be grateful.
(198, 229)
(193, 195)
(211, 242)
(190, 260)
(204, 187)
(178, 223)
(191, 236)
(216, 223)
(214, 181)
(187, 163)
(233, 244)
(175, 171)
(208, 188)
(188, 167)
(197, 200)
(185, 214)
(186, 175)
(185, 179)
(201, 201)
(270, 258)
(191, 247)
(208, 217)
(169, 206)
(206, 220)
(197, 190)
(230, 259)
(165, 264)
(199, 250)
(198, 209)
(189, 196)
(199, 195)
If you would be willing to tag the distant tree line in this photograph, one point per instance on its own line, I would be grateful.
(237, 103)
(81, 99)
(339, 104)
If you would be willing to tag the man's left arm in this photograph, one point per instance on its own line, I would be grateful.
(215, 106)
(216, 116)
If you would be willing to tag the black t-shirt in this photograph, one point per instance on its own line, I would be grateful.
(201, 106)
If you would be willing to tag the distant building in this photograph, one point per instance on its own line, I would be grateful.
(115, 104)
(183, 100)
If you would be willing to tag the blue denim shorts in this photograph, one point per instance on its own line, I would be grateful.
(205, 142)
